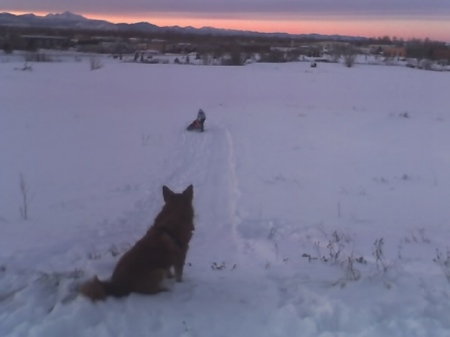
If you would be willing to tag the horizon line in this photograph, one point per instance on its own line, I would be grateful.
(264, 26)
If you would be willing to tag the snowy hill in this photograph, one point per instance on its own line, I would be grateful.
(63, 20)
(67, 16)
(321, 198)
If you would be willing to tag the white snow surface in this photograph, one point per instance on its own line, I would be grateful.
(299, 173)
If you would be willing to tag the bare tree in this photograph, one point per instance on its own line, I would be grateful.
(349, 53)
(95, 63)
(336, 52)
(25, 193)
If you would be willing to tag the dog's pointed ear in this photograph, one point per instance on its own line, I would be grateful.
(167, 193)
(189, 192)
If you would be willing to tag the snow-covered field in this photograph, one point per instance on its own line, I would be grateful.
(321, 196)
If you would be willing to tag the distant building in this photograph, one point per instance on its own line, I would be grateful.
(33, 42)
(157, 45)
(393, 51)
(388, 50)
(441, 54)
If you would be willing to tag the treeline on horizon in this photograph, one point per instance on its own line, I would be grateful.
(416, 48)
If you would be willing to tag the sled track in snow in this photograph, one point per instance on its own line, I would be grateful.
(207, 161)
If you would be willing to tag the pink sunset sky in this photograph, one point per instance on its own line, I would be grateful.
(399, 18)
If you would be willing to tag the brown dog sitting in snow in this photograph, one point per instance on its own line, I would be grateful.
(165, 245)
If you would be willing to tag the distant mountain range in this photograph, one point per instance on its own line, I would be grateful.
(68, 20)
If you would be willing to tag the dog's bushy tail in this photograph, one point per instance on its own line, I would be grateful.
(97, 290)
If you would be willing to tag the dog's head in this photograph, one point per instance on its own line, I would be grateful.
(177, 213)
(185, 197)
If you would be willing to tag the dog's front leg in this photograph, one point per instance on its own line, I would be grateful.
(179, 265)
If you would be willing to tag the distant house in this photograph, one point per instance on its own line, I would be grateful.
(157, 45)
(33, 42)
(378, 49)
(388, 50)
(180, 48)
(441, 54)
(393, 51)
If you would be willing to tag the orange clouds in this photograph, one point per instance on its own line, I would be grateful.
(438, 29)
